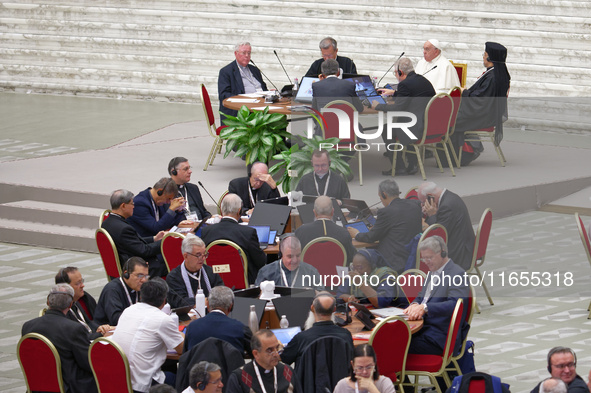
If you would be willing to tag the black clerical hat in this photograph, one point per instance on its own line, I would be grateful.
(496, 52)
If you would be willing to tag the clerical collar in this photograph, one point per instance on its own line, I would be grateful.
(435, 59)
(230, 218)
(321, 176)
(262, 368)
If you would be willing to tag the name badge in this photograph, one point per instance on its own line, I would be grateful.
(221, 269)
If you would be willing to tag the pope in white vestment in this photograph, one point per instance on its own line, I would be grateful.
(444, 77)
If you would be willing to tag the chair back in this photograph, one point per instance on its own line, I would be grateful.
(411, 282)
(482, 236)
(108, 252)
(208, 110)
(452, 333)
(462, 71)
(323, 363)
(332, 121)
(437, 119)
(390, 340)
(220, 201)
(171, 249)
(325, 254)
(109, 366)
(584, 236)
(413, 193)
(40, 364)
(103, 217)
(456, 96)
(432, 230)
(229, 261)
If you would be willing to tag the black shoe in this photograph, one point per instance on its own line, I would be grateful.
(412, 169)
(399, 172)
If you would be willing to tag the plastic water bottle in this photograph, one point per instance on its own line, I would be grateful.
(375, 82)
(253, 320)
(200, 303)
(296, 84)
(284, 323)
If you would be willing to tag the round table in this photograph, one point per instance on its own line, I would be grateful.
(283, 106)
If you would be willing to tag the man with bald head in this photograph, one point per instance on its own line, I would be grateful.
(323, 307)
(323, 226)
(436, 68)
(258, 186)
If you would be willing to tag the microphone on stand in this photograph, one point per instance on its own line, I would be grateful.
(402, 54)
(270, 81)
(214, 201)
(276, 55)
(429, 70)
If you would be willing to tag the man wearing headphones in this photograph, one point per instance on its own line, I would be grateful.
(205, 377)
(436, 302)
(121, 292)
(562, 363)
(258, 186)
(412, 95)
(180, 171)
(158, 208)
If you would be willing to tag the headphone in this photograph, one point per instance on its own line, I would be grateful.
(63, 276)
(174, 163)
(443, 253)
(398, 70)
(126, 274)
(556, 350)
(160, 192)
(203, 384)
(281, 239)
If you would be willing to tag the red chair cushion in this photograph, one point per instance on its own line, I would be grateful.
(219, 129)
(428, 363)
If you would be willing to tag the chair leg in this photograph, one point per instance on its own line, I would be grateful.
(500, 154)
(210, 156)
(437, 160)
(360, 169)
(451, 165)
(394, 159)
(453, 152)
(484, 286)
(434, 382)
(420, 162)
(457, 366)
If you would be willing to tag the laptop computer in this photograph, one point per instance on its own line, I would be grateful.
(285, 335)
(365, 90)
(295, 307)
(359, 225)
(305, 90)
(241, 310)
(263, 232)
(278, 201)
(270, 214)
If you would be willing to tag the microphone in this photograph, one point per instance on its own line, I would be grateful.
(288, 78)
(270, 81)
(367, 208)
(214, 201)
(402, 54)
(424, 73)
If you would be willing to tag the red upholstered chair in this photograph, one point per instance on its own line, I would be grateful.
(109, 366)
(325, 254)
(433, 366)
(462, 70)
(108, 253)
(411, 282)
(456, 96)
(471, 304)
(213, 130)
(437, 119)
(585, 239)
(390, 340)
(432, 230)
(40, 364)
(413, 193)
(332, 129)
(171, 249)
(229, 261)
(104, 216)
(480, 246)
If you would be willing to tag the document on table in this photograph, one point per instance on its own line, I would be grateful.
(271, 108)
(244, 100)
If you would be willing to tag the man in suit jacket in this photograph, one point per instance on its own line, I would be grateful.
(446, 208)
(180, 171)
(412, 95)
(258, 186)
(69, 338)
(128, 242)
(330, 87)
(437, 300)
(325, 227)
(229, 229)
(239, 77)
(396, 225)
(329, 50)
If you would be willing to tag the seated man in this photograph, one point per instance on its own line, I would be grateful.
(218, 324)
(436, 68)
(325, 227)
(289, 271)
(328, 50)
(239, 77)
(553, 385)
(258, 186)
(158, 208)
(412, 95)
(191, 275)
(80, 311)
(145, 333)
(484, 104)
(180, 171)
(265, 373)
(330, 88)
(128, 242)
(322, 181)
(323, 307)
(396, 225)
(229, 229)
(441, 206)
(205, 377)
(121, 292)
(562, 364)
(436, 302)
(70, 339)
(369, 263)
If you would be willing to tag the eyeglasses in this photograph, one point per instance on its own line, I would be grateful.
(186, 168)
(244, 53)
(427, 259)
(216, 382)
(199, 256)
(278, 350)
(369, 367)
(141, 276)
(78, 282)
(565, 365)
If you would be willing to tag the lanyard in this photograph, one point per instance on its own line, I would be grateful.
(186, 196)
(156, 213)
(256, 370)
(285, 277)
(127, 293)
(192, 275)
(80, 318)
(252, 201)
(325, 186)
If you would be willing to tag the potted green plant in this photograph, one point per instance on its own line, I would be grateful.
(256, 135)
(297, 161)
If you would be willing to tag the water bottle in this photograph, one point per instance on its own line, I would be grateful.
(200, 303)
(375, 82)
(296, 84)
(284, 323)
(253, 320)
